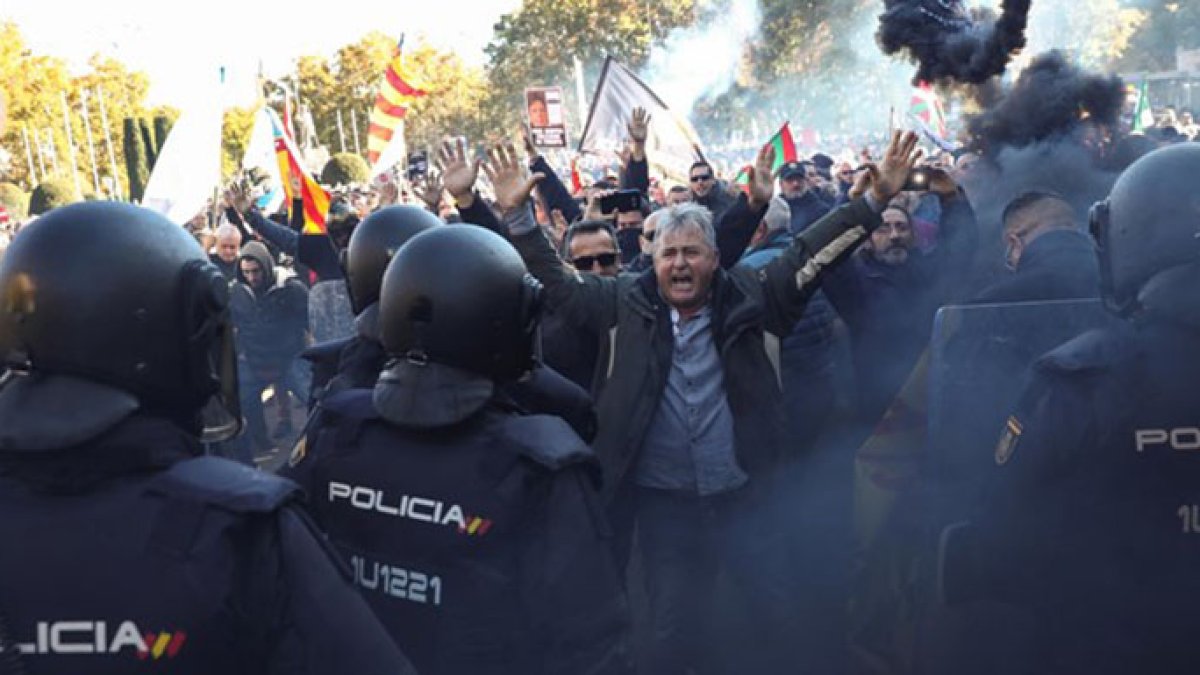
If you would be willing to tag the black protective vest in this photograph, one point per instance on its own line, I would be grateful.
(125, 555)
(480, 546)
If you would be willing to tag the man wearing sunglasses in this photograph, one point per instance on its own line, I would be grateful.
(591, 247)
(707, 191)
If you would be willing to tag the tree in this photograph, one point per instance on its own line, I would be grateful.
(537, 44)
(35, 84)
(137, 168)
(15, 200)
(52, 193)
(162, 127)
(345, 168)
(236, 127)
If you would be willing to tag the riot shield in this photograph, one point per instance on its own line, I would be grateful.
(980, 361)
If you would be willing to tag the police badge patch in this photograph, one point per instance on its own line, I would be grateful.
(1008, 441)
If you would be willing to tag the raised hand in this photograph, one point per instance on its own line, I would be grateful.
(863, 181)
(458, 172)
(639, 125)
(898, 161)
(593, 210)
(237, 198)
(762, 183)
(429, 190)
(639, 131)
(510, 177)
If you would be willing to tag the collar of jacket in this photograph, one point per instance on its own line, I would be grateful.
(134, 445)
(733, 312)
(1056, 249)
(429, 395)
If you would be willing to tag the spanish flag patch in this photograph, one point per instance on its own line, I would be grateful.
(1008, 441)
(299, 452)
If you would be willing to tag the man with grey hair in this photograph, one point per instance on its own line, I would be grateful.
(692, 427)
(226, 250)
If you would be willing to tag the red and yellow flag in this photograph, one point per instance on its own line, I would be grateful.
(316, 199)
(396, 94)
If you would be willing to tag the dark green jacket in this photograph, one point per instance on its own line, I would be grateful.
(752, 310)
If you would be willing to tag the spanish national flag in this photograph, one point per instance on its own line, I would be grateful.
(316, 199)
(396, 94)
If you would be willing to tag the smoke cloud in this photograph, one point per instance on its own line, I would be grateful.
(947, 43)
(703, 60)
(1051, 97)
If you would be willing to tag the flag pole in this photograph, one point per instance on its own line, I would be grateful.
(112, 157)
(87, 132)
(354, 128)
(341, 131)
(70, 141)
(41, 153)
(29, 156)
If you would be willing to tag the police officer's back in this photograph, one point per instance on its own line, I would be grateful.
(474, 532)
(1094, 522)
(125, 548)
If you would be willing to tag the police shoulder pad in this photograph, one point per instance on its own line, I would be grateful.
(325, 352)
(1093, 351)
(547, 440)
(226, 484)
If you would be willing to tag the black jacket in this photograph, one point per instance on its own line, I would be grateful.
(752, 311)
(807, 209)
(1092, 518)
(271, 324)
(1059, 265)
(476, 534)
(130, 543)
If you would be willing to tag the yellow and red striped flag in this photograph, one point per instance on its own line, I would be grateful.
(397, 91)
(316, 199)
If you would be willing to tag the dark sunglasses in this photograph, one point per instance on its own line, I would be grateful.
(702, 177)
(648, 236)
(587, 262)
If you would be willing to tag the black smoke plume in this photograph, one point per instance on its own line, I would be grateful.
(948, 45)
(1051, 98)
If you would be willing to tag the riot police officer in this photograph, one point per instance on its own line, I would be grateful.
(1094, 520)
(124, 544)
(475, 533)
(356, 362)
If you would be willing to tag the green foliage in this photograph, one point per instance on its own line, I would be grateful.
(162, 127)
(537, 45)
(15, 200)
(137, 169)
(236, 127)
(148, 143)
(52, 193)
(345, 168)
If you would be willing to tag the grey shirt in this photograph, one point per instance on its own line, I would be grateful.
(689, 445)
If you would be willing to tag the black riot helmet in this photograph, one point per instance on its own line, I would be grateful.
(461, 296)
(1149, 224)
(373, 244)
(107, 297)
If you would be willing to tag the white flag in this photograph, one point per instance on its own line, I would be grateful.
(260, 154)
(189, 166)
(672, 145)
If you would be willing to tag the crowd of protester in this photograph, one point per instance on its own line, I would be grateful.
(783, 341)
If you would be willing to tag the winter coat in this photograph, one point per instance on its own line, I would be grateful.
(752, 310)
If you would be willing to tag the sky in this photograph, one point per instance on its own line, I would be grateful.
(182, 44)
